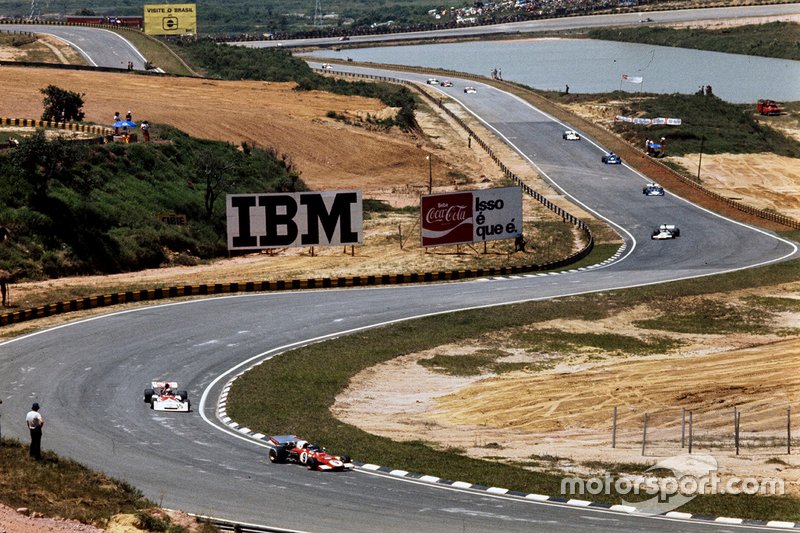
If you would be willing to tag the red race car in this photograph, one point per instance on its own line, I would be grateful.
(293, 449)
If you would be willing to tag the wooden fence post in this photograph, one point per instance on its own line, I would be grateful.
(644, 433)
(789, 429)
(691, 433)
(614, 428)
(683, 427)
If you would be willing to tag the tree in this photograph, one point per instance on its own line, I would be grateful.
(214, 171)
(61, 105)
(40, 161)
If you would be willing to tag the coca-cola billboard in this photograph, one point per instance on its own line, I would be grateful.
(446, 218)
(471, 216)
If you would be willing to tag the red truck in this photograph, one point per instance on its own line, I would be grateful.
(768, 107)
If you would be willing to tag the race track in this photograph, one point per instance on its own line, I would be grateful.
(89, 375)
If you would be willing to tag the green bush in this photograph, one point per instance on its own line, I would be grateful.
(78, 209)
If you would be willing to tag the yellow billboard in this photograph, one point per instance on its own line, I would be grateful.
(170, 19)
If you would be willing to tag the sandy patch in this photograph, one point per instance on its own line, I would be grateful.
(765, 181)
(565, 409)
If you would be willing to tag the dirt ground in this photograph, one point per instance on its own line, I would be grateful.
(24, 521)
(46, 49)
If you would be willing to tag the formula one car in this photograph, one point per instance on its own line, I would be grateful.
(570, 135)
(446, 83)
(665, 231)
(470, 89)
(653, 189)
(164, 396)
(433, 81)
(293, 449)
(611, 159)
(327, 66)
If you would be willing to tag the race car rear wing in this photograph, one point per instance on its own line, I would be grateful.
(284, 439)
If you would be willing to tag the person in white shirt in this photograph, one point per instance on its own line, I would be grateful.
(35, 422)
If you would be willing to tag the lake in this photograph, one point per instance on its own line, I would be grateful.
(592, 66)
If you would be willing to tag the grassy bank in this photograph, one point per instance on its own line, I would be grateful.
(773, 39)
(60, 487)
(81, 209)
(158, 53)
(319, 372)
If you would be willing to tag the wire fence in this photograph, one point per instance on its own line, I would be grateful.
(759, 428)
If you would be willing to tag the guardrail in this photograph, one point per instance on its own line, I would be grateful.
(239, 527)
(783, 220)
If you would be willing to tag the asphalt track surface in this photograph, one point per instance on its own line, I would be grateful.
(100, 47)
(89, 375)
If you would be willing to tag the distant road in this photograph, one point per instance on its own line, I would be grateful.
(101, 48)
(557, 24)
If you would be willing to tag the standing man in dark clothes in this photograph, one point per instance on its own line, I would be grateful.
(35, 423)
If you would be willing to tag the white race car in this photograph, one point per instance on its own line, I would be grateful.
(571, 135)
(470, 89)
(433, 81)
(665, 231)
(164, 396)
(653, 189)
(327, 66)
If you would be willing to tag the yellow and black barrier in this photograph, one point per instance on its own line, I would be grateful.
(102, 131)
(178, 291)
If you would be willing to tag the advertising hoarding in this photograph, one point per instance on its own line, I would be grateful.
(471, 216)
(170, 19)
(282, 220)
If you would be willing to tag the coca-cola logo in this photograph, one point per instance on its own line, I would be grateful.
(447, 219)
(444, 213)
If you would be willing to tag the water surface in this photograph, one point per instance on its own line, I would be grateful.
(592, 66)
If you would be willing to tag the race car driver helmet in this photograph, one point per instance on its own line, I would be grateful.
(302, 444)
